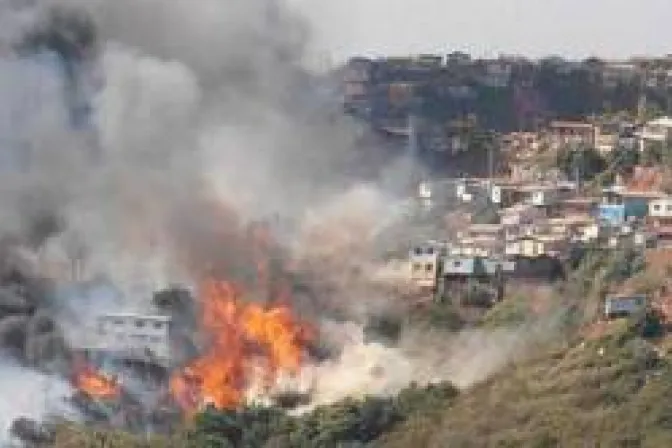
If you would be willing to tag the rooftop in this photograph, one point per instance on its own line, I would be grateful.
(661, 121)
(135, 316)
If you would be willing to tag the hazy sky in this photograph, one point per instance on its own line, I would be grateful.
(575, 28)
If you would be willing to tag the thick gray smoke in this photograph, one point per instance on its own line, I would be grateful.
(136, 140)
(207, 106)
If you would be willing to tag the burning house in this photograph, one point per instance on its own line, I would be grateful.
(132, 337)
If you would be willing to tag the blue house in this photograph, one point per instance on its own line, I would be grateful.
(611, 214)
(618, 207)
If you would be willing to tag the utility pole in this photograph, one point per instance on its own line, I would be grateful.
(413, 145)
(490, 161)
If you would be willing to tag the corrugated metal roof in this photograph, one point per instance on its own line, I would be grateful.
(462, 265)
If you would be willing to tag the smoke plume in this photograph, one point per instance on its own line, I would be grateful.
(138, 140)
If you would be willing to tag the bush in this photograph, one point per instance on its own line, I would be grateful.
(442, 316)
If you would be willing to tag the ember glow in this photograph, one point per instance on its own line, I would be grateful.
(95, 384)
(243, 339)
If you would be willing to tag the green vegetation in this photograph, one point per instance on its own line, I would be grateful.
(508, 313)
(437, 316)
(606, 384)
(612, 391)
(350, 423)
(586, 161)
(615, 390)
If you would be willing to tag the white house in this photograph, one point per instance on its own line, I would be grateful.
(655, 131)
(661, 207)
(424, 263)
(521, 214)
(130, 336)
(540, 195)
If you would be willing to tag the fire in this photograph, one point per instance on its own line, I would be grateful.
(243, 339)
(94, 384)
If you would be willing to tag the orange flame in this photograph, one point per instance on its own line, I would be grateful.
(243, 337)
(94, 384)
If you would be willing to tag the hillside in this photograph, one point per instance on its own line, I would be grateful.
(582, 381)
(610, 391)
(606, 392)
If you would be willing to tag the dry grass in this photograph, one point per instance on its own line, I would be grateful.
(601, 392)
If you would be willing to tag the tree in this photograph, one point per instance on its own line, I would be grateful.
(587, 161)
(652, 154)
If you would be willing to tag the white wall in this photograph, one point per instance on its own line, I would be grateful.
(660, 207)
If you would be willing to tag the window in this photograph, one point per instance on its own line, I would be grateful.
(139, 323)
(158, 325)
(430, 251)
(418, 251)
(118, 322)
(457, 264)
(155, 340)
(656, 207)
(669, 207)
(429, 267)
(417, 267)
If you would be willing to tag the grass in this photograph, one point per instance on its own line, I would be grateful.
(608, 392)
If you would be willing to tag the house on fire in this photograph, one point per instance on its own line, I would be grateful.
(128, 337)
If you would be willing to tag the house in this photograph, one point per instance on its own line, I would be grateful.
(607, 137)
(536, 245)
(458, 58)
(543, 268)
(611, 213)
(619, 206)
(424, 263)
(660, 211)
(497, 74)
(473, 189)
(541, 195)
(495, 231)
(129, 337)
(521, 214)
(480, 240)
(568, 225)
(624, 236)
(624, 305)
(655, 132)
(659, 220)
(637, 202)
(662, 237)
(493, 266)
(477, 281)
(521, 145)
(463, 267)
(429, 60)
(589, 233)
(356, 81)
(614, 74)
(572, 134)
(574, 206)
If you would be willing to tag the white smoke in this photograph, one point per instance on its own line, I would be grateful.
(463, 358)
(33, 395)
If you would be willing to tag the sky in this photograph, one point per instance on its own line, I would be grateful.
(534, 28)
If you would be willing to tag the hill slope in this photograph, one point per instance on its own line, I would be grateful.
(607, 392)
